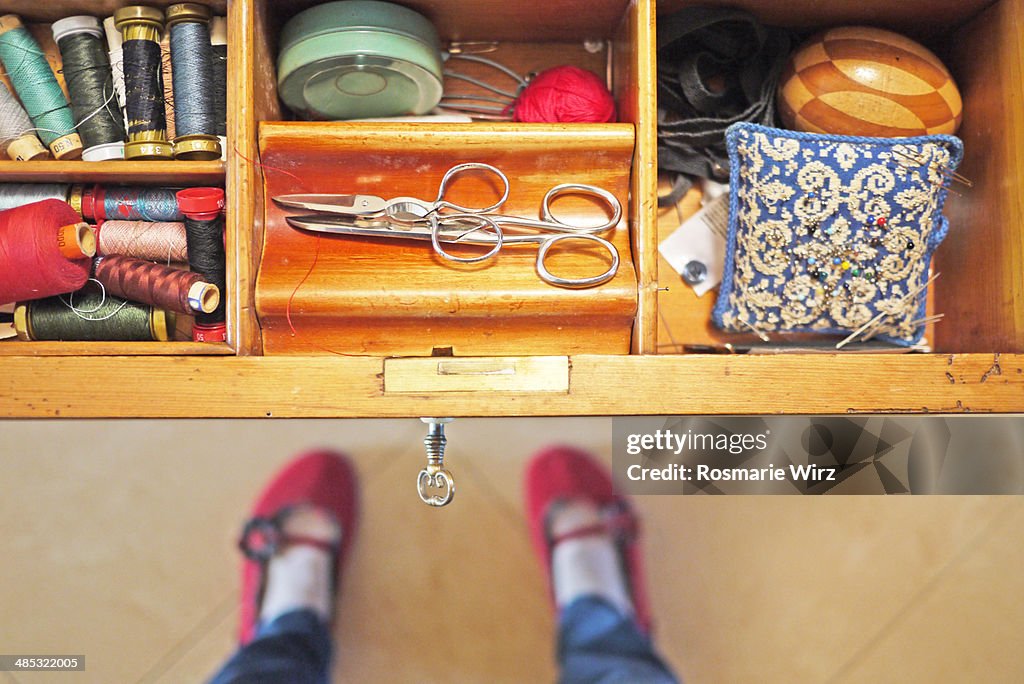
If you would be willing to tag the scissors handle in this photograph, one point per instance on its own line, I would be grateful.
(575, 283)
(452, 173)
(437, 225)
(610, 201)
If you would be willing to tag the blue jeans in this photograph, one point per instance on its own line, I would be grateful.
(596, 644)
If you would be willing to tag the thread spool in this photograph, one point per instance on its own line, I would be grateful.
(90, 83)
(116, 55)
(90, 315)
(17, 137)
(155, 241)
(100, 203)
(14, 195)
(140, 29)
(204, 230)
(44, 250)
(37, 88)
(219, 59)
(157, 285)
(194, 117)
(167, 79)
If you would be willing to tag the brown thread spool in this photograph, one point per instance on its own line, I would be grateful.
(156, 285)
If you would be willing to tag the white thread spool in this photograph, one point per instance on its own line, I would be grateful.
(116, 63)
(17, 138)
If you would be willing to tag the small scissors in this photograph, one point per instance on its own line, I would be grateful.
(442, 221)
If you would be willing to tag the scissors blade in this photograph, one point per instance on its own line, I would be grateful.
(348, 205)
(367, 227)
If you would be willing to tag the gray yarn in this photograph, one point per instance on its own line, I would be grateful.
(19, 194)
(192, 74)
(14, 121)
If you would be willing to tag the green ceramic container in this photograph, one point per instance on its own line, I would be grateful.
(357, 59)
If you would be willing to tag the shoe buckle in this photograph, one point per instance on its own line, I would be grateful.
(261, 538)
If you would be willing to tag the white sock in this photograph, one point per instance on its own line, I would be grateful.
(586, 566)
(301, 577)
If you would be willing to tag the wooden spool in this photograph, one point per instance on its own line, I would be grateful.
(864, 81)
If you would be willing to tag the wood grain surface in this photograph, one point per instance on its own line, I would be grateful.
(284, 386)
(982, 259)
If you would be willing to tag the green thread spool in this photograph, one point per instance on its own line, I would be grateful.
(97, 319)
(38, 89)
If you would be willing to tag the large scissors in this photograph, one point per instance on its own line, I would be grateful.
(444, 222)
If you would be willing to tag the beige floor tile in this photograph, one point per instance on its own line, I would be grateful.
(497, 450)
(196, 659)
(120, 545)
(785, 589)
(966, 626)
(447, 595)
(120, 535)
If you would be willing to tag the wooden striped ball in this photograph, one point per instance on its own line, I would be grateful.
(857, 80)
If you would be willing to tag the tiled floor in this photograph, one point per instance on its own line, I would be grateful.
(119, 545)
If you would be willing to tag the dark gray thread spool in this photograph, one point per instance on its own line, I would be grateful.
(219, 58)
(144, 91)
(90, 82)
(95, 317)
(194, 115)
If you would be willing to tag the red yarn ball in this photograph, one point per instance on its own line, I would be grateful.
(565, 94)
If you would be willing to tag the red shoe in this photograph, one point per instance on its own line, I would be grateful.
(560, 474)
(321, 479)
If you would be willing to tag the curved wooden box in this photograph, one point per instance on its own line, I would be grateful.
(396, 297)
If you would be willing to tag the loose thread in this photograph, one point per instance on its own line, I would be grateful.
(309, 272)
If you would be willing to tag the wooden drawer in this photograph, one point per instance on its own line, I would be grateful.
(978, 364)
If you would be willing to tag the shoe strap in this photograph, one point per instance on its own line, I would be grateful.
(263, 538)
(621, 525)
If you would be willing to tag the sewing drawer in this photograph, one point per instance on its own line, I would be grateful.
(657, 366)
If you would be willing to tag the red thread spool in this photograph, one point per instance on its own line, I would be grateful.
(565, 94)
(156, 285)
(44, 251)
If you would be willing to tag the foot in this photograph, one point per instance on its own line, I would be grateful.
(584, 559)
(301, 576)
(584, 534)
(296, 540)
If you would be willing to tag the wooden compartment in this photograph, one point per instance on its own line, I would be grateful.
(319, 293)
(172, 173)
(370, 297)
(978, 366)
(980, 261)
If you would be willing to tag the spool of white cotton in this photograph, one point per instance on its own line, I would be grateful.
(17, 137)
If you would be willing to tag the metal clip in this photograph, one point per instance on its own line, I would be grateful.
(434, 475)
(472, 47)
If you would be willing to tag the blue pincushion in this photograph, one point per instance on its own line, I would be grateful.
(828, 233)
